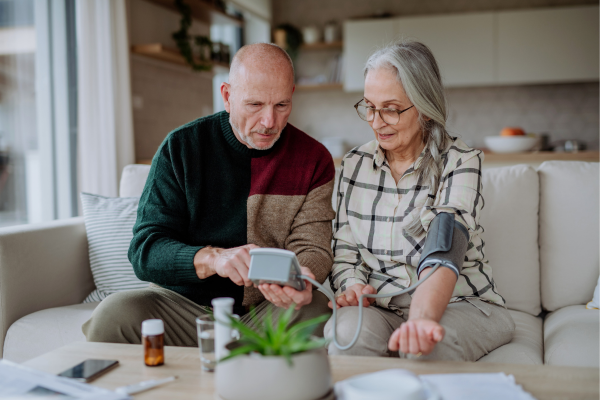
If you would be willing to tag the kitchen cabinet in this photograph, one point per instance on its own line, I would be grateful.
(548, 46)
(463, 45)
(491, 48)
(361, 39)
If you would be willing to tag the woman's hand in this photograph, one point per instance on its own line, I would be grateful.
(352, 294)
(285, 296)
(416, 336)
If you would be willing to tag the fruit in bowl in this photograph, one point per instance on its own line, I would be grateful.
(511, 140)
(512, 132)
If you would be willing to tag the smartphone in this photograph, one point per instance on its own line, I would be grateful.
(89, 370)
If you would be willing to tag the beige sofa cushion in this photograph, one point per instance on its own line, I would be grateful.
(46, 330)
(527, 346)
(569, 233)
(510, 221)
(133, 180)
(571, 337)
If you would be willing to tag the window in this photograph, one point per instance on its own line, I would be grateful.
(37, 111)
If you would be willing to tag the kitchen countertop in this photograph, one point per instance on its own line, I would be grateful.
(590, 156)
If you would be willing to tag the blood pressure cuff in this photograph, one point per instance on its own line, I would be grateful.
(446, 244)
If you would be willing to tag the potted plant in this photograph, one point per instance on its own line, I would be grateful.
(288, 37)
(275, 361)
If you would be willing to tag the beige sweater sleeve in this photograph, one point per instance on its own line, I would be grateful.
(311, 232)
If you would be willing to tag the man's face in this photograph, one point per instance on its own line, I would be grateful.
(259, 104)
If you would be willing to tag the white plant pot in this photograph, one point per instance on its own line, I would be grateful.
(256, 377)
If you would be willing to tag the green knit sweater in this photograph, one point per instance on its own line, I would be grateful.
(203, 188)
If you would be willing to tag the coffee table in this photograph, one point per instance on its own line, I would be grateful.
(543, 382)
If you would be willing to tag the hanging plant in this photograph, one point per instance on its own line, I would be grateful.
(184, 40)
(293, 39)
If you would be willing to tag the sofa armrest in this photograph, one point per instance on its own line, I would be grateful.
(42, 266)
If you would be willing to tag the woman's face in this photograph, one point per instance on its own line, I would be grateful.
(383, 90)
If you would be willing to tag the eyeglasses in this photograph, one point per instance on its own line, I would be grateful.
(388, 115)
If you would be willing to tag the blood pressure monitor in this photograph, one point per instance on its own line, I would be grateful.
(277, 266)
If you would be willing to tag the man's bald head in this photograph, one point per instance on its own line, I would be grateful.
(258, 96)
(260, 57)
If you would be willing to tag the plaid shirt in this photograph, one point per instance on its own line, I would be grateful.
(370, 244)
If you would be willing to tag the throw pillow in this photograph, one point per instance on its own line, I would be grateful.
(593, 305)
(109, 225)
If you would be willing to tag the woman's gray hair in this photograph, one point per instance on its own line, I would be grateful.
(420, 77)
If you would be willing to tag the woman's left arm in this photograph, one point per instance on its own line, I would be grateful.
(422, 330)
(459, 194)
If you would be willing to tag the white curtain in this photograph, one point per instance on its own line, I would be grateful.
(105, 138)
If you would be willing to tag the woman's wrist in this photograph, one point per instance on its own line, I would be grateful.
(421, 315)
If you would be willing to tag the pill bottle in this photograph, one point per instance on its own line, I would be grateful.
(153, 339)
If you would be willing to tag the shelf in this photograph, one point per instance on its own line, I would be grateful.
(323, 46)
(322, 86)
(204, 11)
(163, 53)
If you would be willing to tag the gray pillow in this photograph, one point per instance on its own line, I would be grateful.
(109, 225)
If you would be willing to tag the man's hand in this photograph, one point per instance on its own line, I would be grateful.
(416, 336)
(228, 263)
(351, 296)
(285, 296)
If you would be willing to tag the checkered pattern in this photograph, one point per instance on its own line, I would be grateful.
(370, 244)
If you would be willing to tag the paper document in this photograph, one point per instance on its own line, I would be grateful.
(477, 386)
(400, 383)
(19, 382)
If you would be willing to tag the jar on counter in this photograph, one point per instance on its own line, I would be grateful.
(330, 32)
(216, 51)
(153, 340)
(225, 54)
(311, 34)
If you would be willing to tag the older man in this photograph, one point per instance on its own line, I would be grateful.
(218, 187)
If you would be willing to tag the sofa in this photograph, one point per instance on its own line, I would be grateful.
(541, 238)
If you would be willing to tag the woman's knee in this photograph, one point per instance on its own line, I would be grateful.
(472, 331)
(372, 339)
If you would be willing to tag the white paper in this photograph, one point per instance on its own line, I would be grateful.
(19, 382)
(492, 386)
(495, 386)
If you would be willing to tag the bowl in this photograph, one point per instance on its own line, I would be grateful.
(510, 144)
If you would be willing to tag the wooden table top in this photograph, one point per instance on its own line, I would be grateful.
(543, 382)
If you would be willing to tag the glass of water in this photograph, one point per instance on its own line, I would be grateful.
(206, 341)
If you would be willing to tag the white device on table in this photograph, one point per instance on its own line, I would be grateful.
(144, 385)
(281, 267)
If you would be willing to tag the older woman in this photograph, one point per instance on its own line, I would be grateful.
(390, 190)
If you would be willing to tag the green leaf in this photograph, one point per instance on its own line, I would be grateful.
(288, 355)
(284, 320)
(238, 351)
(277, 339)
(308, 326)
(300, 347)
(246, 331)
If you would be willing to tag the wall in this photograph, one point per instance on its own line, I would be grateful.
(563, 111)
(260, 8)
(164, 95)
